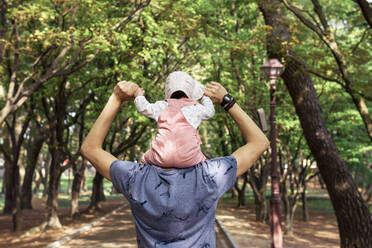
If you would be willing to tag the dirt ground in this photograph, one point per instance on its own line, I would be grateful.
(320, 231)
(29, 237)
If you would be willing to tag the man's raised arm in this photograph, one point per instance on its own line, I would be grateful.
(256, 141)
(91, 148)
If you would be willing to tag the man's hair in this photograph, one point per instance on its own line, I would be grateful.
(178, 94)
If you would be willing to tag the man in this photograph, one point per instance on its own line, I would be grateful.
(174, 207)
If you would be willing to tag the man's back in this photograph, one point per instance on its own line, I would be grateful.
(174, 208)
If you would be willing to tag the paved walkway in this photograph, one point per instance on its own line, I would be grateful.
(242, 231)
(115, 231)
(118, 230)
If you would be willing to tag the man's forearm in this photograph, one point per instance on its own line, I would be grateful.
(92, 145)
(256, 141)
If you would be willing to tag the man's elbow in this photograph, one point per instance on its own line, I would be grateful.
(264, 143)
(84, 150)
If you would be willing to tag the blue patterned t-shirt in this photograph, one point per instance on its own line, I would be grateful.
(176, 207)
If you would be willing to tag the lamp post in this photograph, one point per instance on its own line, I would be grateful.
(273, 68)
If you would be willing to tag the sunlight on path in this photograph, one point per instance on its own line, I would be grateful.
(246, 232)
(115, 231)
(242, 232)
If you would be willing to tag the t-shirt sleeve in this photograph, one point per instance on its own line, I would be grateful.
(223, 173)
(121, 173)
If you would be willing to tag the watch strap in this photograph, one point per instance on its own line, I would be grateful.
(229, 105)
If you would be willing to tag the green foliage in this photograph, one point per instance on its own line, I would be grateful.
(352, 35)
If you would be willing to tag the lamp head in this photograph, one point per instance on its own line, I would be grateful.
(272, 68)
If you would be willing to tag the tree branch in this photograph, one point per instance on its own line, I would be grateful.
(304, 20)
(319, 11)
(134, 12)
(366, 10)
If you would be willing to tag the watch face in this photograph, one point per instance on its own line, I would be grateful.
(227, 98)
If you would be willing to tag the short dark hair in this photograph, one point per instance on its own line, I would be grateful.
(178, 94)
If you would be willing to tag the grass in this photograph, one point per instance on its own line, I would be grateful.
(317, 200)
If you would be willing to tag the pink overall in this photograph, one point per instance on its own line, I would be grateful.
(177, 142)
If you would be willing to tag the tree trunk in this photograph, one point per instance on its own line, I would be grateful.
(12, 194)
(285, 200)
(360, 104)
(259, 193)
(84, 183)
(45, 177)
(232, 192)
(55, 173)
(366, 10)
(353, 217)
(241, 197)
(241, 192)
(289, 223)
(9, 201)
(97, 194)
(16, 211)
(76, 186)
(260, 208)
(258, 177)
(321, 181)
(368, 193)
(305, 210)
(33, 151)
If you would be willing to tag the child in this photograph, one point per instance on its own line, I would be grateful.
(177, 142)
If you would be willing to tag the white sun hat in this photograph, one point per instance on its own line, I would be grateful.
(182, 81)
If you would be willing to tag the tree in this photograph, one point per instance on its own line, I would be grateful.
(348, 82)
(295, 174)
(47, 41)
(347, 201)
(11, 149)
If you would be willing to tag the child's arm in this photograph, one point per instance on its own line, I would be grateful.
(151, 110)
(207, 108)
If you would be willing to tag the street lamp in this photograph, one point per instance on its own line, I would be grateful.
(273, 68)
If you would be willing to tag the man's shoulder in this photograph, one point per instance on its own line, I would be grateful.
(216, 163)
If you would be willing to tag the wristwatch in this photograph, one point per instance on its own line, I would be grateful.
(227, 102)
(226, 99)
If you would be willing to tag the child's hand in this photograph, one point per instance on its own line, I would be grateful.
(139, 92)
(215, 91)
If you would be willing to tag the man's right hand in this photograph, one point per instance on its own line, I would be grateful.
(215, 91)
(125, 90)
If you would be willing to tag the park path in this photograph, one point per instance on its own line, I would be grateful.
(118, 230)
(114, 231)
